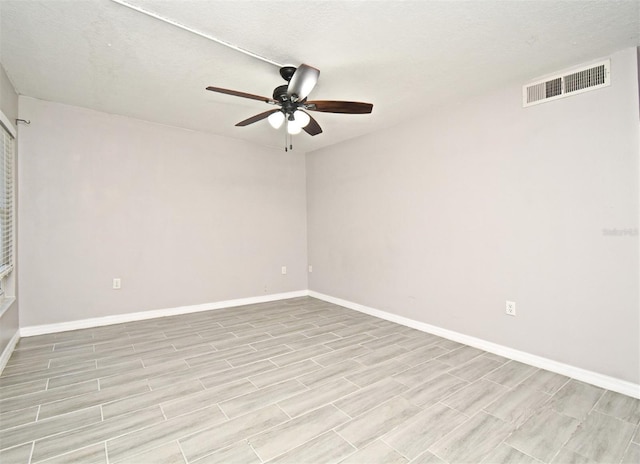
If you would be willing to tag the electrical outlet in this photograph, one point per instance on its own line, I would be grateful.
(310, 268)
(511, 308)
(116, 283)
(284, 270)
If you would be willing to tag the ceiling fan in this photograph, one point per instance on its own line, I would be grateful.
(293, 104)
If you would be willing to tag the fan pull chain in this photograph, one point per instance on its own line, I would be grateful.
(288, 140)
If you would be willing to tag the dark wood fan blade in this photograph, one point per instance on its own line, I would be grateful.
(256, 118)
(346, 107)
(235, 93)
(313, 128)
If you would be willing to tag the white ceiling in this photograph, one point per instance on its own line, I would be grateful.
(405, 57)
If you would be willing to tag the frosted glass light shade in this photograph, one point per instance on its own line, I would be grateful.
(276, 119)
(301, 118)
(293, 127)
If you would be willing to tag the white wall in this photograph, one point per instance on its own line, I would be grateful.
(445, 218)
(9, 317)
(181, 217)
(8, 97)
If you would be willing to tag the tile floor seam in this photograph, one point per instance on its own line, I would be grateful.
(285, 413)
(616, 418)
(92, 443)
(484, 377)
(553, 394)
(491, 372)
(586, 457)
(613, 417)
(273, 458)
(184, 456)
(222, 410)
(435, 454)
(334, 430)
(504, 442)
(561, 447)
(254, 450)
(543, 405)
(626, 450)
(593, 409)
(21, 443)
(440, 400)
(352, 383)
(54, 417)
(104, 448)
(595, 404)
(65, 453)
(456, 428)
(33, 444)
(394, 448)
(532, 457)
(106, 452)
(451, 407)
(163, 413)
(537, 369)
(460, 378)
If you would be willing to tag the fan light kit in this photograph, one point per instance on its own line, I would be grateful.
(293, 104)
(276, 119)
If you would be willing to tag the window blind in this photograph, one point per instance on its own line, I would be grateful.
(6, 203)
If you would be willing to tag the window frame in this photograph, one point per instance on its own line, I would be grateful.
(7, 279)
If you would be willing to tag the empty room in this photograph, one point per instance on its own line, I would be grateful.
(314, 232)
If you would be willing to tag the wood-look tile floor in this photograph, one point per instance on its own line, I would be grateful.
(295, 381)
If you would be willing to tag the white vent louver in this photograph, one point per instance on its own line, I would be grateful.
(566, 84)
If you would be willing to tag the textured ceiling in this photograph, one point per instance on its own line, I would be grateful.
(405, 57)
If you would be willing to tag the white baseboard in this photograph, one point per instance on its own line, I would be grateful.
(6, 353)
(152, 314)
(594, 378)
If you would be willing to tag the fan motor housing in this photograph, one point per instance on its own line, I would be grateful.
(280, 93)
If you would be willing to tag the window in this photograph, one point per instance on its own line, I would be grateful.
(6, 199)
